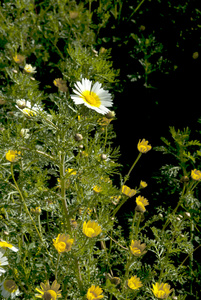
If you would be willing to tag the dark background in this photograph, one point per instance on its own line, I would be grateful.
(174, 98)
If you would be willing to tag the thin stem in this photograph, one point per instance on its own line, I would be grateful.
(63, 192)
(129, 172)
(58, 260)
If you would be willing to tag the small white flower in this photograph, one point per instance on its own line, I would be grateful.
(9, 289)
(24, 133)
(29, 69)
(3, 262)
(30, 110)
(21, 103)
(94, 97)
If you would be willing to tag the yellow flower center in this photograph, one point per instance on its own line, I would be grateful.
(136, 250)
(10, 286)
(53, 294)
(61, 246)
(90, 231)
(91, 98)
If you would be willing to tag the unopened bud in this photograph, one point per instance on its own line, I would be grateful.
(104, 156)
(2, 101)
(81, 146)
(110, 115)
(6, 233)
(174, 298)
(187, 214)
(78, 137)
(21, 103)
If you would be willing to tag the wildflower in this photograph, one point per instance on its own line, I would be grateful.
(4, 244)
(63, 243)
(71, 171)
(162, 290)
(29, 109)
(21, 103)
(24, 133)
(49, 292)
(61, 84)
(36, 210)
(18, 58)
(143, 146)
(13, 155)
(9, 289)
(94, 293)
(127, 191)
(196, 174)
(91, 229)
(97, 189)
(137, 249)
(29, 69)
(143, 184)
(3, 262)
(141, 203)
(115, 199)
(94, 97)
(113, 280)
(134, 283)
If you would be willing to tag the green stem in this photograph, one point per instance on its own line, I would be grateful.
(136, 9)
(63, 193)
(58, 259)
(129, 172)
(118, 207)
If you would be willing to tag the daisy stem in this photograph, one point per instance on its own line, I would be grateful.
(129, 172)
(58, 259)
(63, 192)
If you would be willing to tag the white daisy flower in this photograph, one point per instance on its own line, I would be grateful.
(9, 289)
(29, 69)
(4, 244)
(3, 262)
(29, 110)
(94, 97)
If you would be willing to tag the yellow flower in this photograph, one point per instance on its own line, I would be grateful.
(29, 69)
(48, 292)
(94, 97)
(196, 174)
(36, 210)
(143, 146)
(71, 171)
(13, 155)
(94, 293)
(4, 244)
(127, 191)
(18, 58)
(162, 290)
(91, 228)
(141, 203)
(134, 283)
(63, 243)
(137, 249)
(61, 84)
(97, 189)
(143, 184)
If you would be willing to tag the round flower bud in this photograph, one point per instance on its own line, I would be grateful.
(110, 115)
(104, 156)
(21, 103)
(187, 214)
(78, 137)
